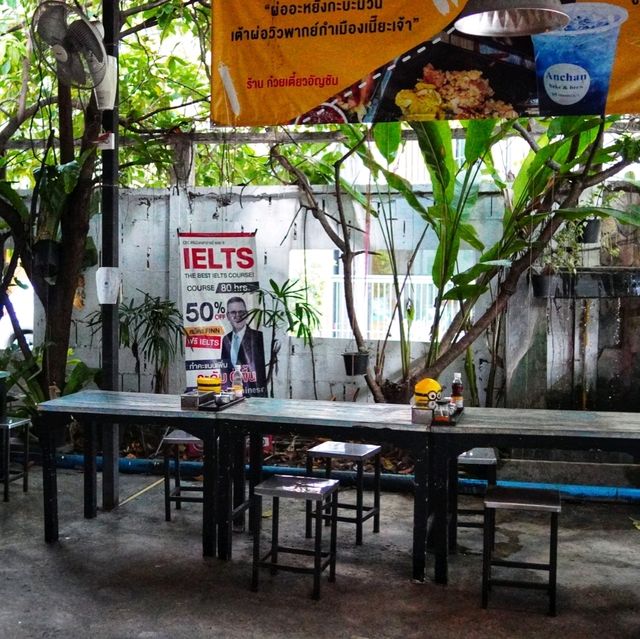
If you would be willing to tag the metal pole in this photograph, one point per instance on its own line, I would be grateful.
(110, 257)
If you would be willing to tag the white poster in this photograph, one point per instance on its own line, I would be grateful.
(219, 278)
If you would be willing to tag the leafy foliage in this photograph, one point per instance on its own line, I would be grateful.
(151, 329)
(23, 376)
(284, 307)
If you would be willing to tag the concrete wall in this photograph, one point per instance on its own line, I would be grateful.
(581, 348)
(149, 221)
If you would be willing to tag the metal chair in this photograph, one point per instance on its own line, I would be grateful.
(10, 425)
(521, 499)
(301, 488)
(180, 492)
(358, 453)
(479, 461)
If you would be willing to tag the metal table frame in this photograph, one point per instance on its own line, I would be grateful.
(515, 428)
(105, 409)
(255, 417)
(343, 421)
(7, 425)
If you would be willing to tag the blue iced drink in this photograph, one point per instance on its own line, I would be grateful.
(573, 65)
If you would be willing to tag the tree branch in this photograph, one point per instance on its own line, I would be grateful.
(531, 141)
(310, 199)
(15, 122)
(149, 22)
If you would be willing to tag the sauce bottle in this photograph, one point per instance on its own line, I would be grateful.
(456, 391)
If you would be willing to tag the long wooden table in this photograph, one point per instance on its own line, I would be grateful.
(254, 416)
(516, 428)
(95, 408)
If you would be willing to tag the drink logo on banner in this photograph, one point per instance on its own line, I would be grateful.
(219, 282)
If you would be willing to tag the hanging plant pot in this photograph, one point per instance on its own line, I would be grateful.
(46, 259)
(355, 363)
(560, 284)
(590, 232)
(543, 285)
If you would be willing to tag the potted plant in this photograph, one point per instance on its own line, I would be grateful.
(589, 231)
(284, 307)
(151, 329)
(563, 255)
(356, 362)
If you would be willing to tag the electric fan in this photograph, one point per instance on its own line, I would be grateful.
(72, 46)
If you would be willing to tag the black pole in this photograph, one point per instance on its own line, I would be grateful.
(110, 257)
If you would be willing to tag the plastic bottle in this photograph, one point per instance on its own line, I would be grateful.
(456, 390)
(216, 381)
(237, 383)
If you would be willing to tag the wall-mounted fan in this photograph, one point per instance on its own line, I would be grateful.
(72, 46)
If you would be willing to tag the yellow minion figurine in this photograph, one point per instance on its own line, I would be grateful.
(427, 392)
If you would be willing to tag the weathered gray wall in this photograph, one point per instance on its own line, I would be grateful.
(149, 221)
(581, 351)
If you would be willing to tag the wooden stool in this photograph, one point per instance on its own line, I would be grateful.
(358, 453)
(175, 494)
(525, 499)
(482, 461)
(7, 475)
(305, 488)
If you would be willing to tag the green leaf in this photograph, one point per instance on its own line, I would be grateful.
(630, 216)
(478, 139)
(444, 261)
(388, 136)
(469, 234)
(466, 292)
(13, 199)
(435, 141)
(79, 377)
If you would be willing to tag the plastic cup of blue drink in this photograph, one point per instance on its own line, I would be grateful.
(573, 64)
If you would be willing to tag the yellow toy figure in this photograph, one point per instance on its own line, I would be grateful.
(427, 392)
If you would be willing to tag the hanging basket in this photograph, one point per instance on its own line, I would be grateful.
(355, 363)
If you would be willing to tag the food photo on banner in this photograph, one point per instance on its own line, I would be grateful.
(219, 285)
(286, 63)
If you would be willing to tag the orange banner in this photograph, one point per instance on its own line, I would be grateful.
(277, 62)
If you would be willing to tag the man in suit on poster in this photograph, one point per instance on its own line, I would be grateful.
(244, 345)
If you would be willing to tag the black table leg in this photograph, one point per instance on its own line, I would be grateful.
(239, 491)
(110, 466)
(46, 435)
(209, 495)
(90, 469)
(453, 505)
(439, 497)
(255, 473)
(6, 460)
(420, 516)
(223, 514)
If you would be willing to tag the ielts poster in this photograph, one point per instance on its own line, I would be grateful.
(219, 283)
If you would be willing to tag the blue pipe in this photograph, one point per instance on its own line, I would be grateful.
(389, 481)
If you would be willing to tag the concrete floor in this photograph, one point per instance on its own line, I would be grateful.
(129, 574)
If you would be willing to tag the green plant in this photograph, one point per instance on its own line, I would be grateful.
(284, 307)
(564, 250)
(24, 373)
(151, 329)
(61, 126)
(568, 156)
